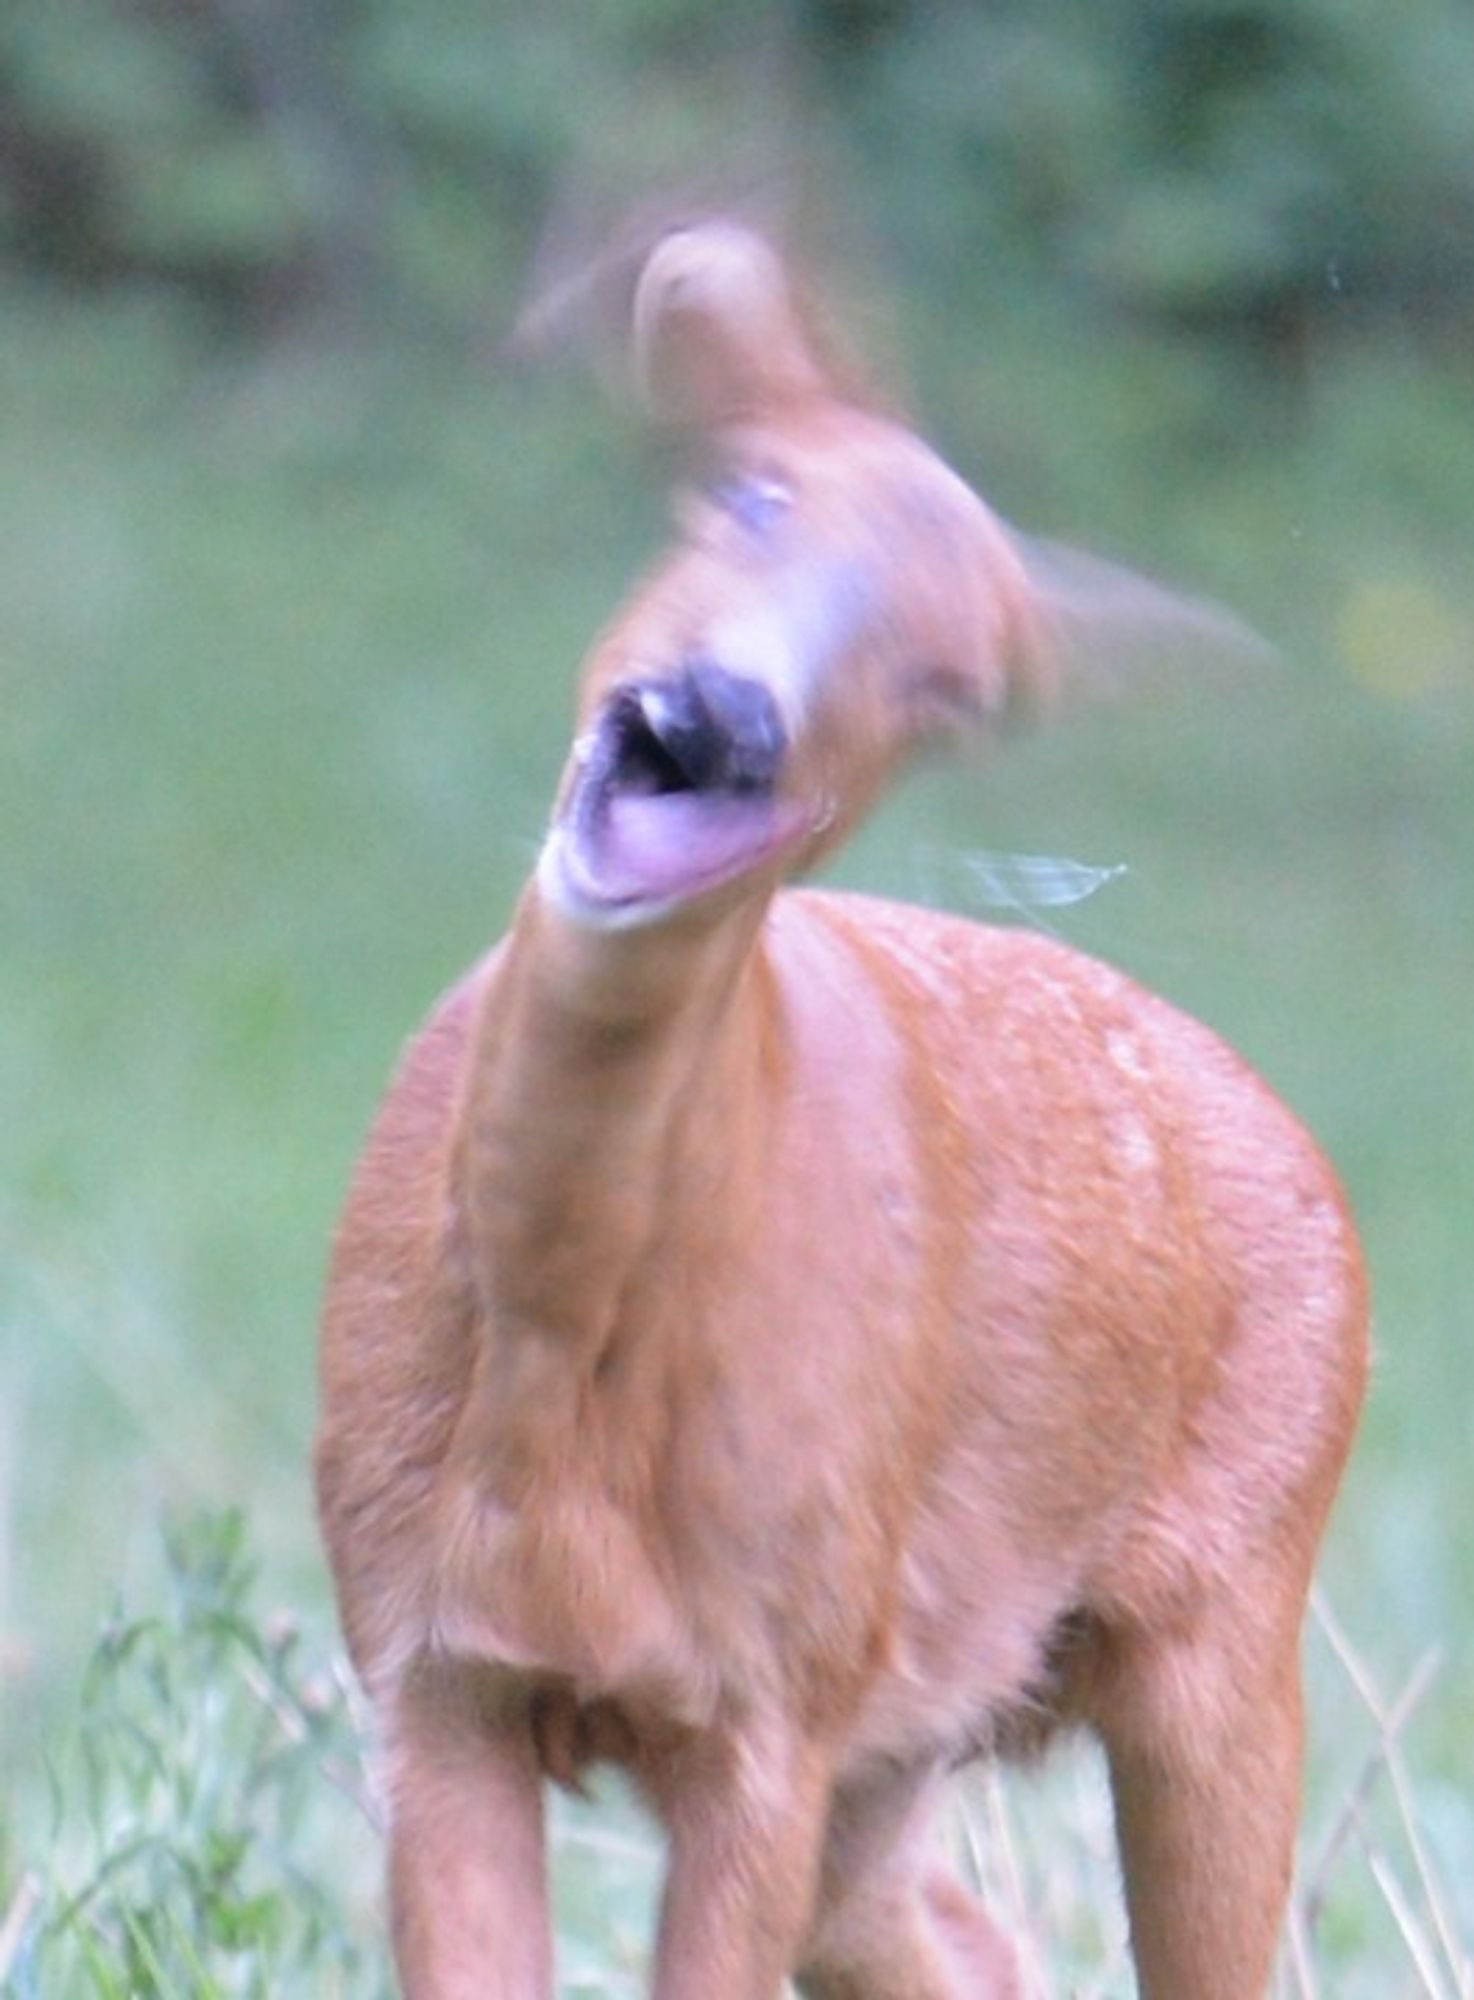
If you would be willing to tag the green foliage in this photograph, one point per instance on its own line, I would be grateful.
(1254, 169)
(132, 150)
(1250, 169)
(196, 1812)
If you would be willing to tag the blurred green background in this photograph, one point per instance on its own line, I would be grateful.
(297, 561)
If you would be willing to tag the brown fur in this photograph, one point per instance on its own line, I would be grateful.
(798, 1343)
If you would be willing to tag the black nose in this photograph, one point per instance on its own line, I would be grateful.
(723, 729)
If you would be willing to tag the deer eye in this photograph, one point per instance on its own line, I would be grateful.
(756, 501)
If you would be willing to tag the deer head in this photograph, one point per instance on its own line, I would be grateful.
(836, 597)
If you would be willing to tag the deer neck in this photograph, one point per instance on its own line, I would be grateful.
(612, 1105)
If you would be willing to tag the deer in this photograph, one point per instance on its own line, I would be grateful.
(787, 1344)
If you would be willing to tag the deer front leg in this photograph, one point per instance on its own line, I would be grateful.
(746, 1823)
(467, 1865)
(1205, 1759)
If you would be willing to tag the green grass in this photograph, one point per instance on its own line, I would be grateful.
(286, 654)
(203, 1812)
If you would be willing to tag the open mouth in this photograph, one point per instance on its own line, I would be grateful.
(678, 792)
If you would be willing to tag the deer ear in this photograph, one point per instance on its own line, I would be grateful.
(1096, 629)
(1013, 629)
(717, 336)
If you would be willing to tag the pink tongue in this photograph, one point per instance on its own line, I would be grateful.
(661, 845)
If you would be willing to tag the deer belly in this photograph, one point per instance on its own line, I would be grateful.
(970, 1656)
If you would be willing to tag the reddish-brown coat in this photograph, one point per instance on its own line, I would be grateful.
(792, 1346)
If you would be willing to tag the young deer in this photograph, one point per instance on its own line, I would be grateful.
(789, 1344)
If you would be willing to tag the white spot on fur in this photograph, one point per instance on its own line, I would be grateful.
(1135, 1147)
(1125, 1052)
(1132, 1138)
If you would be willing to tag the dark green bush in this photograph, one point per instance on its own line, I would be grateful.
(1251, 169)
